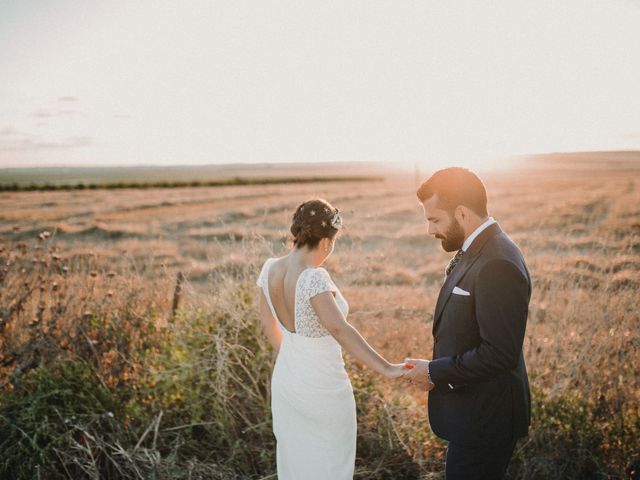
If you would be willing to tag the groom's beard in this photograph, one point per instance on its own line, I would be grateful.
(453, 238)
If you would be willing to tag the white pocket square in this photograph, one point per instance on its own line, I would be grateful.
(459, 291)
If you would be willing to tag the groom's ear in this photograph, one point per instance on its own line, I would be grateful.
(461, 213)
(464, 216)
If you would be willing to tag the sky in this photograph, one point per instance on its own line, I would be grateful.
(86, 82)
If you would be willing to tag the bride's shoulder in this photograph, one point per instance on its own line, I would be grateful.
(322, 271)
(312, 274)
(315, 271)
(317, 280)
(271, 261)
(319, 274)
(264, 271)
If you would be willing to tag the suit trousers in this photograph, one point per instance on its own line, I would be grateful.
(480, 462)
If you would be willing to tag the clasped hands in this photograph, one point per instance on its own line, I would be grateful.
(414, 371)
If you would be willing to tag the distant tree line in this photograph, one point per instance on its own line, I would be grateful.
(17, 187)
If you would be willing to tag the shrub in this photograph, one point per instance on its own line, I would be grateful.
(573, 439)
(49, 426)
(212, 381)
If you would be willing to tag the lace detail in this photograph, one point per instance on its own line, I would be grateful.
(312, 282)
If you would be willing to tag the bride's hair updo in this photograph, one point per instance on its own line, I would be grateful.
(314, 220)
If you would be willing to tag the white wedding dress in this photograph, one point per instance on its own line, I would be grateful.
(313, 409)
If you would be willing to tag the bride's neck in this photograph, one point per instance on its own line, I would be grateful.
(303, 257)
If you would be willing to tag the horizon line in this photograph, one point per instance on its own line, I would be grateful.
(284, 163)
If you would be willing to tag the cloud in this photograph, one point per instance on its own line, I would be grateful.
(68, 99)
(31, 144)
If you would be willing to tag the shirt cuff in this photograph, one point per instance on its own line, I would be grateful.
(429, 374)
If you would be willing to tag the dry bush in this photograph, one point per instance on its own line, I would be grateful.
(79, 306)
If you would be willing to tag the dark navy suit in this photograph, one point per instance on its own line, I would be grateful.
(481, 401)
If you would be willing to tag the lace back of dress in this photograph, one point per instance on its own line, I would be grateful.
(312, 282)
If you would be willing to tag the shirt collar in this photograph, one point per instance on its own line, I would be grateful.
(469, 240)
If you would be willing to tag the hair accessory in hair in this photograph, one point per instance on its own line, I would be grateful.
(336, 220)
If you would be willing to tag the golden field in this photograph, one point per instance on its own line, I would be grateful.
(577, 221)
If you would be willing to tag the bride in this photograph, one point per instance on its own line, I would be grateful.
(303, 314)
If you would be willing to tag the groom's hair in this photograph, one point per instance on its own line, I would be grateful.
(456, 186)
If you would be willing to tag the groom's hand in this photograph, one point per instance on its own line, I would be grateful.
(416, 373)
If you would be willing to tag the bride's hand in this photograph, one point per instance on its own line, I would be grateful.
(395, 370)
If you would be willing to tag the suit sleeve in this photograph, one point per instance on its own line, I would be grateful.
(502, 302)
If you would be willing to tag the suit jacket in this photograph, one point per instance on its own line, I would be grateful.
(481, 389)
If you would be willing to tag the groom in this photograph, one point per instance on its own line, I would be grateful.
(477, 381)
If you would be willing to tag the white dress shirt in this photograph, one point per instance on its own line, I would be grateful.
(469, 240)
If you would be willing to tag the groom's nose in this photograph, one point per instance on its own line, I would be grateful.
(431, 230)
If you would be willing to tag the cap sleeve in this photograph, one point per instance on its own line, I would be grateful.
(319, 281)
(262, 278)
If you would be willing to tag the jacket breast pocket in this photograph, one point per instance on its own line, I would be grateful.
(460, 299)
(461, 312)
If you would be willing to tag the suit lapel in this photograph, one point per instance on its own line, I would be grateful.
(468, 259)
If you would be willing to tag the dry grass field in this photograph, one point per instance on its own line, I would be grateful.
(576, 220)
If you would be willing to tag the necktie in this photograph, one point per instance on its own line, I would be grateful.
(453, 262)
